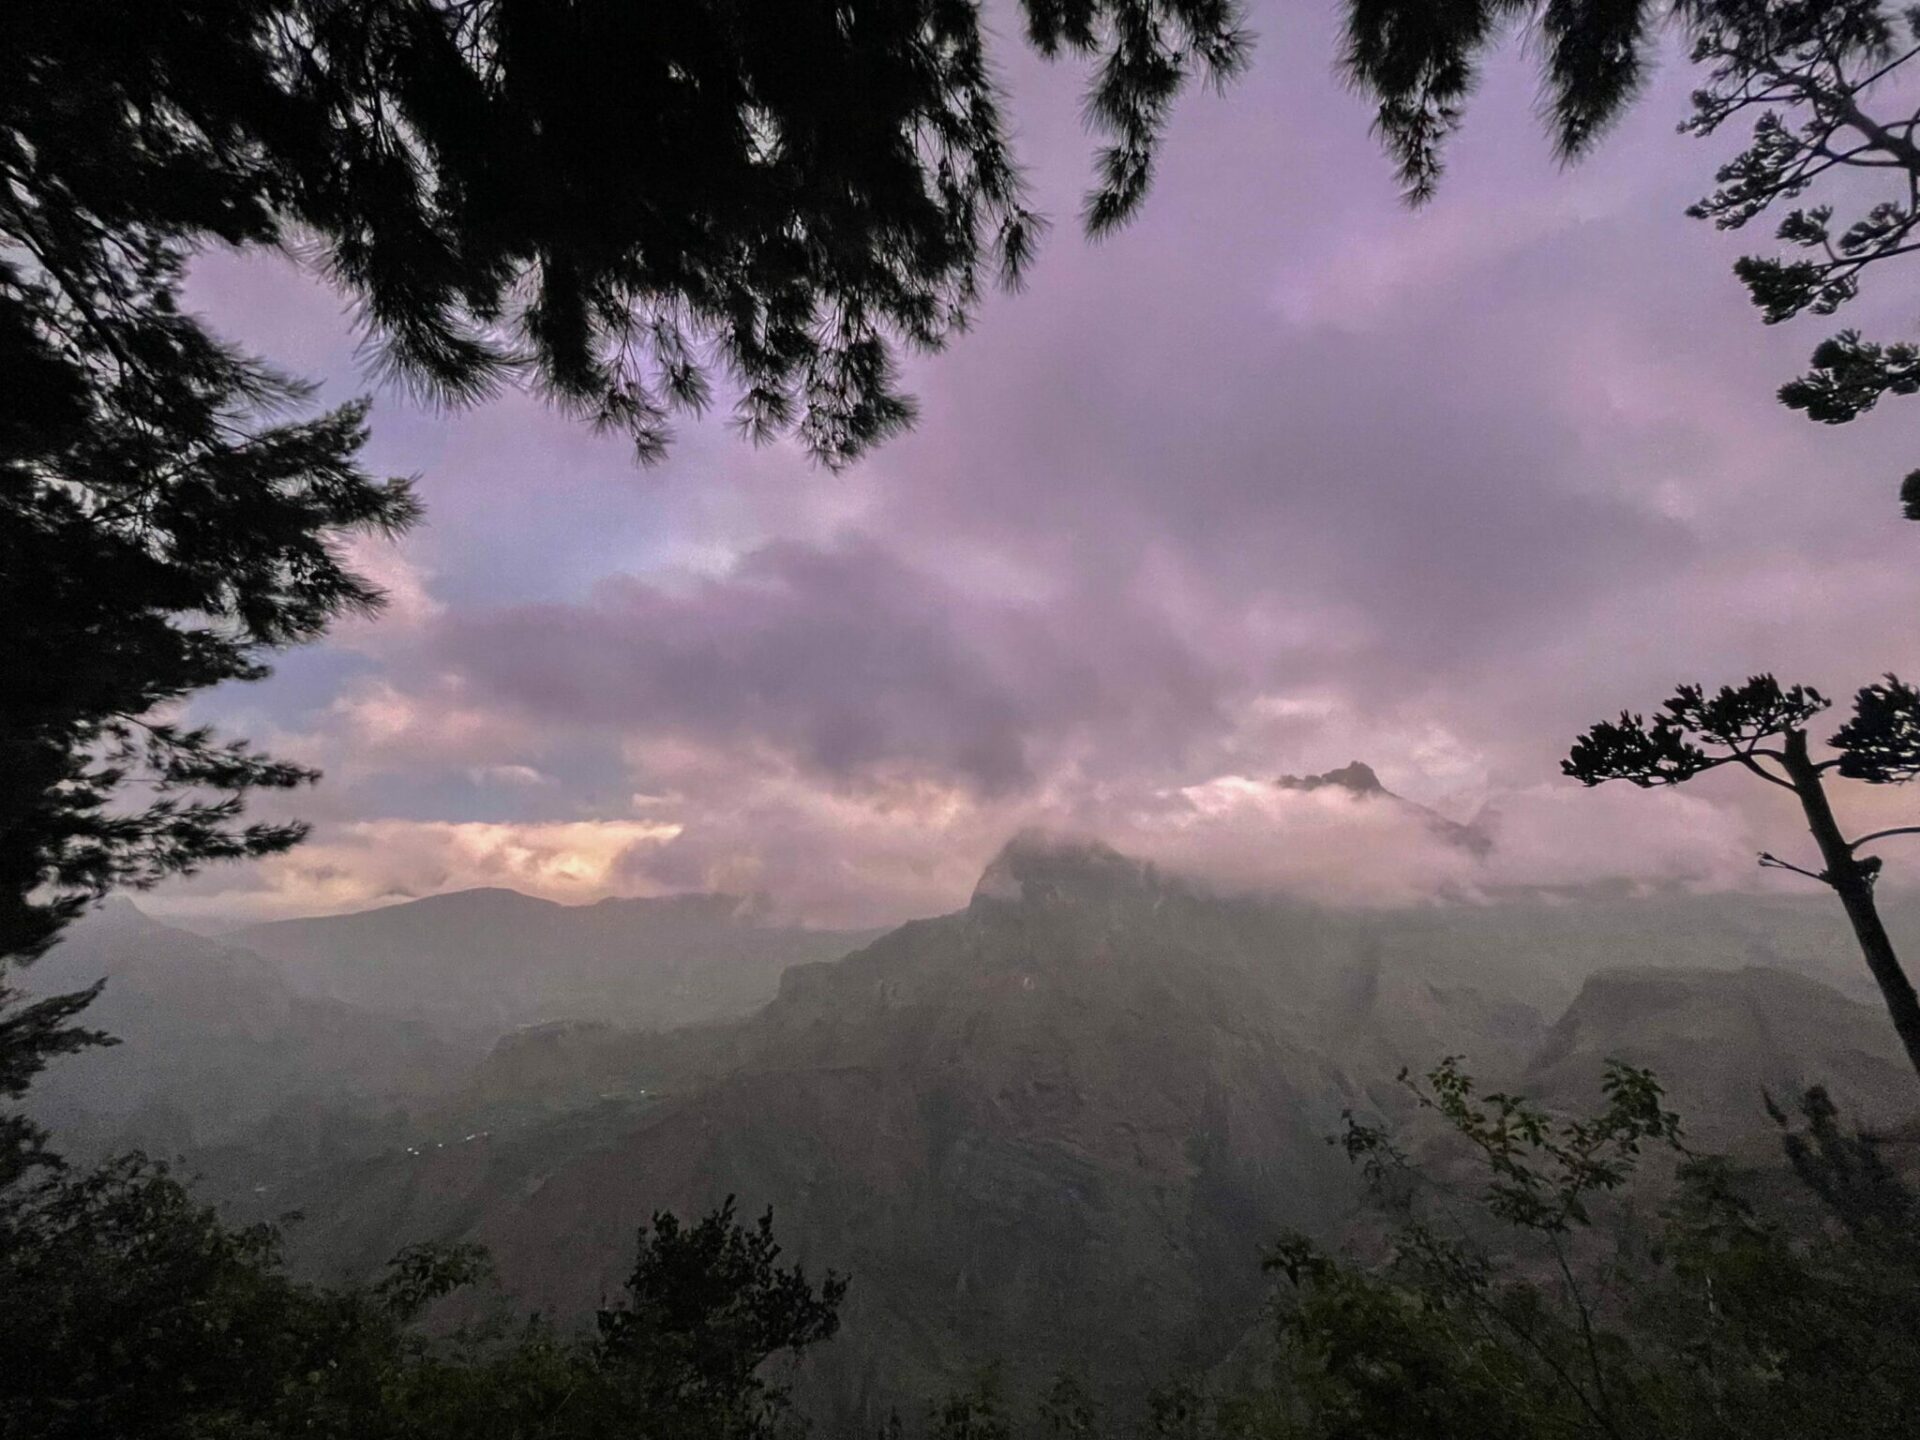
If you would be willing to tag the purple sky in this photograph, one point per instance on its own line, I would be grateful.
(1282, 476)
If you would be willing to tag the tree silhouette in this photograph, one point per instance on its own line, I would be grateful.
(32, 1035)
(132, 1310)
(1822, 81)
(1761, 726)
(164, 524)
(707, 1306)
(604, 199)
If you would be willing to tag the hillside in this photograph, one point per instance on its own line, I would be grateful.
(1060, 1114)
(1722, 1040)
(214, 1045)
(496, 959)
(1054, 1127)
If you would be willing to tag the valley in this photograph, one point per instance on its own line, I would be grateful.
(1051, 1130)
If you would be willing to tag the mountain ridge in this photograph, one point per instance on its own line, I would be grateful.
(1055, 1125)
(496, 956)
(215, 1045)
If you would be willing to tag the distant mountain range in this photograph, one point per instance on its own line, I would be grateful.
(498, 959)
(346, 1025)
(215, 1046)
(1056, 1127)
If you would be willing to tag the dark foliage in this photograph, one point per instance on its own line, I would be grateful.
(600, 197)
(131, 1311)
(1881, 743)
(167, 514)
(980, 1412)
(706, 1309)
(32, 1035)
(1543, 1306)
(1736, 722)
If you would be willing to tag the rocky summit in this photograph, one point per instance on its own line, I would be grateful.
(1357, 778)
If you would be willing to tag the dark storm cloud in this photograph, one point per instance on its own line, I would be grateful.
(842, 658)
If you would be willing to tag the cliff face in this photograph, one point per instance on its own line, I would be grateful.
(1723, 1040)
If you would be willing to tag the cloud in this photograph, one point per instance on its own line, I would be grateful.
(1282, 476)
(507, 775)
(402, 579)
(853, 665)
(360, 862)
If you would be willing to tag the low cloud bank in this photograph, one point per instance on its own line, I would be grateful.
(917, 848)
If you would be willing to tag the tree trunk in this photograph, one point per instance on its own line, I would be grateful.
(1853, 882)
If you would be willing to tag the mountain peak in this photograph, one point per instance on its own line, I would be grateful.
(1038, 866)
(118, 913)
(1356, 776)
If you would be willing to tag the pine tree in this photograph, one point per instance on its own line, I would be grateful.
(164, 523)
(1761, 727)
(598, 198)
